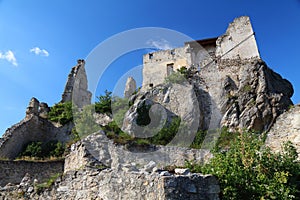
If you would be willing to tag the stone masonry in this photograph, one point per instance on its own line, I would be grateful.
(34, 127)
(130, 87)
(286, 128)
(76, 89)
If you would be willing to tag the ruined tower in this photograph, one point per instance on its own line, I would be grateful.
(130, 87)
(76, 89)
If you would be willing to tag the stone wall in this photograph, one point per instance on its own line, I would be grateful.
(286, 128)
(158, 65)
(98, 148)
(76, 89)
(238, 42)
(109, 185)
(13, 171)
(35, 128)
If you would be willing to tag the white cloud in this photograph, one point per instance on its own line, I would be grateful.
(161, 44)
(9, 56)
(38, 51)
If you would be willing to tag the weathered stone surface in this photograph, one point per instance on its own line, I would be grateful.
(130, 87)
(254, 97)
(33, 108)
(165, 102)
(44, 110)
(102, 119)
(76, 89)
(13, 171)
(238, 42)
(35, 127)
(286, 128)
(91, 183)
(98, 148)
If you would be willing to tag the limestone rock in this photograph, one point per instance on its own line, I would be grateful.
(98, 148)
(130, 87)
(162, 104)
(286, 128)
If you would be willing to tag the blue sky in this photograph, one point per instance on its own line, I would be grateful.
(41, 40)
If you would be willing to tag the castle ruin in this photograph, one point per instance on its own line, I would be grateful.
(237, 43)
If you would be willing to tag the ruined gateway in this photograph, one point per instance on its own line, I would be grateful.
(227, 84)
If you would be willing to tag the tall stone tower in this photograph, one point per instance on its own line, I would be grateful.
(76, 89)
(130, 87)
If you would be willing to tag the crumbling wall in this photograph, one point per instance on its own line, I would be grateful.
(98, 147)
(286, 128)
(130, 87)
(35, 127)
(76, 89)
(13, 171)
(238, 42)
(158, 65)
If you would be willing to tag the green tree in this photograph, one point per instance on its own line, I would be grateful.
(103, 105)
(85, 121)
(61, 112)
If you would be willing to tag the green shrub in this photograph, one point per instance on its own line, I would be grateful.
(86, 122)
(61, 112)
(248, 171)
(198, 140)
(43, 149)
(166, 134)
(119, 108)
(103, 105)
(175, 77)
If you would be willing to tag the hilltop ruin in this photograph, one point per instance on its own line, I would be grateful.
(226, 84)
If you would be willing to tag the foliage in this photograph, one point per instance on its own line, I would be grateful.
(198, 140)
(103, 105)
(175, 77)
(61, 112)
(48, 183)
(166, 134)
(248, 171)
(43, 149)
(85, 122)
(119, 108)
(184, 71)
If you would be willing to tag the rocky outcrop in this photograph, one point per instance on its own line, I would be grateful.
(130, 87)
(233, 93)
(98, 148)
(252, 95)
(76, 89)
(165, 102)
(286, 128)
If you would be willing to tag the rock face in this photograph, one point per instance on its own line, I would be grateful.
(252, 95)
(286, 128)
(233, 93)
(130, 87)
(97, 147)
(76, 89)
